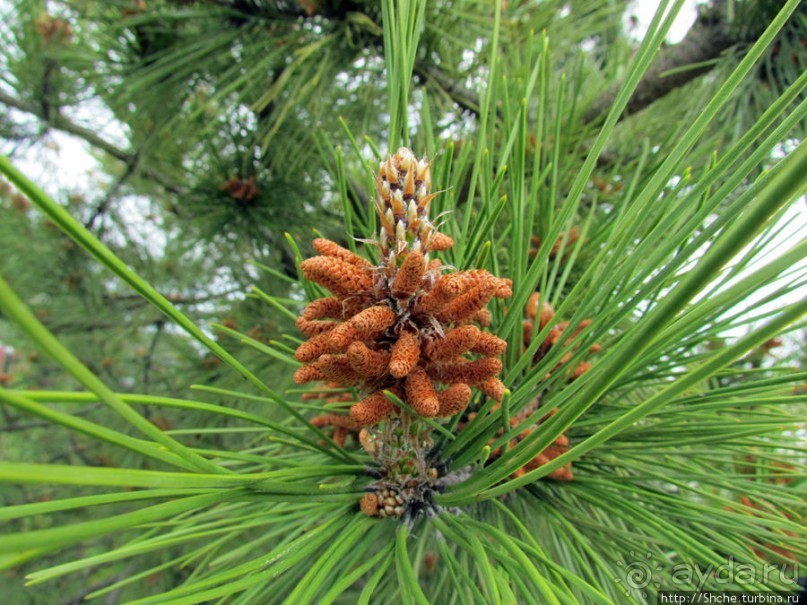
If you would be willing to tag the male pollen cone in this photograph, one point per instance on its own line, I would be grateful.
(364, 325)
(473, 373)
(456, 343)
(339, 276)
(323, 307)
(409, 276)
(482, 317)
(454, 399)
(328, 248)
(405, 355)
(489, 344)
(493, 388)
(339, 420)
(371, 409)
(312, 327)
(466, 305)
(312, 348)
(440, 242)
(420, 393)
(366, 362)
(337, 368)
(407, 325)
(308, 373)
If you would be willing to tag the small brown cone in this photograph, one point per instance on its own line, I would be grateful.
(482, 317)
(312, 348)
(366, 362)
(312, 327)
(373, 320)
(371, 409)
(466, 305)
(409, 276)
(435, 300)
(342, 335)
(366, 324)
(405, 354)
(456, 343)
(369, 505)
(340, 435)
(420, 393)
(581, 369)
(328, 248)
(308, 374)
(489, 345)
(532, 305)
(323, 307)
(493, 388)
(338, 369)
(337, 420)
(440, 242)
(454, 399)
(337, 275)
(473, 373)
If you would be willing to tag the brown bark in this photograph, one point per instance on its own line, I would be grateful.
(708, 38)
(464, 98)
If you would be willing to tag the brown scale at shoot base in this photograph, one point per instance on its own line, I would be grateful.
(406, 326)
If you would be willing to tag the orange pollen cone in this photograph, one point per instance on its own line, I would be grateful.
(409, 276)
(328, 248)
(454, 399)
(371, 409)
(420, 393)
(405, 354)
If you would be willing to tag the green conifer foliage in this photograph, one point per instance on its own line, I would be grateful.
(549, 355)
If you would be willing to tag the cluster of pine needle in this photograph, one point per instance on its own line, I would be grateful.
(397, 331)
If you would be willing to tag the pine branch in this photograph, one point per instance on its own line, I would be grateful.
(708, 38)
(466, 99)
(59, 122)
(103, 205)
